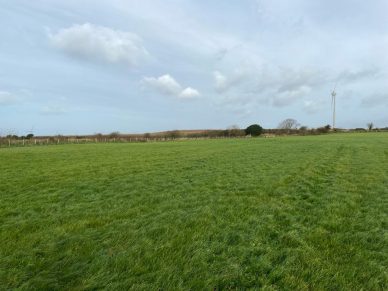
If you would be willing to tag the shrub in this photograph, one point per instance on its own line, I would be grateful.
(114, 134)
(173, 134)
(324, 129)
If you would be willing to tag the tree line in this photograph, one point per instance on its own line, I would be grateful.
(286, 127)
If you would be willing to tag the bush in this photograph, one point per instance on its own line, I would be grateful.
(324, 129)
(114, 134)
(254, 130)
(173, 134)
(303, 128)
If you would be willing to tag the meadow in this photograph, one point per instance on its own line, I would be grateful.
(287, 213)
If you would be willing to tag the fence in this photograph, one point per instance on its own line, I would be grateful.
(57, 140)
(7, 142)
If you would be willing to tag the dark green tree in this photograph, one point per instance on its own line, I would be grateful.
(254, 130)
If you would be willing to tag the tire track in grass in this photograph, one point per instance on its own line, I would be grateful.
(361, 239)
(324, 228)
(303, 201)
(247, 246)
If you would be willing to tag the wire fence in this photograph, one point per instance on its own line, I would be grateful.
(6, 143)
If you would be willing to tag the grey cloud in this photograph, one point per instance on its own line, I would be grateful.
(289, 97)
(348, 76)
(286, 86)
(313, 106)
(291, 80)
(375, 100)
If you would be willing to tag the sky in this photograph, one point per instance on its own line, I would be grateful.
(133, 66)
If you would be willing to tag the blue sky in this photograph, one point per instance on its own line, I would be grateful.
(78, 67)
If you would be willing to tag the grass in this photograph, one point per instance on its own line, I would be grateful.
(284, 213)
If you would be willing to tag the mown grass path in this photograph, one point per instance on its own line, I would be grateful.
(284, 213)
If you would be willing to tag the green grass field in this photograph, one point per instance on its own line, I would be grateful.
(283, 213)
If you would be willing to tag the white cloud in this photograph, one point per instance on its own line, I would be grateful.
(100, 43)
(6, 98)
(164, 84)
(167, 85)
(189, 93)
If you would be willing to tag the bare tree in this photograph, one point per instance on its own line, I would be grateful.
(370, 125)
(234, 130)
(288, 123)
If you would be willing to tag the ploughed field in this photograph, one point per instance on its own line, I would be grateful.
(282, 213)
